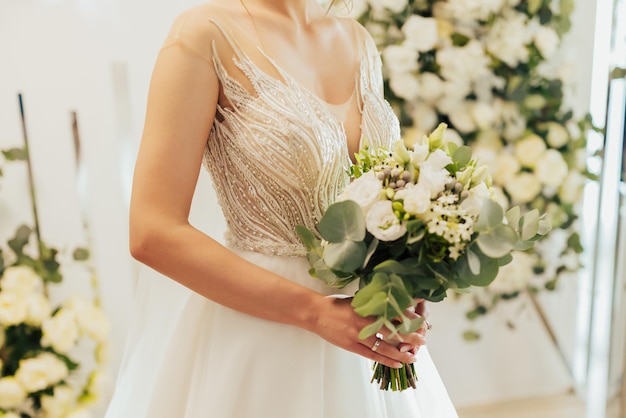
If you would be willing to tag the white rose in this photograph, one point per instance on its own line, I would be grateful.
(466, 63)
(13, 308)
(421, 32)
(12, 394)
(60, 403)
(505, 169)
(40, 372)
(572, 188)
(431, 87)
(523, 188)
(61, 331)
(551, 168)
(515, 276)
(557, 135)
(400, 58)
(529, 149)
(439, 159)
(424, 117)
(383, 223)
(484, 114)
(404, 85)
(416, 199)
(364, 191)
(547, 41)
(508, 38)
(461, 118)
(22, 280)
(38, 308)
(95, 324)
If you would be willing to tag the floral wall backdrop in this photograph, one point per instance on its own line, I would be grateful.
(493, 70)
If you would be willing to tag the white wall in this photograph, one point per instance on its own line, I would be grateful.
(61, 55)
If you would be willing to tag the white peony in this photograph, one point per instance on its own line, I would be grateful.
(557, 135)
(40, 372)
(60, 403)
(22, 280)
(12, 394)
(421, 33)
(61, 331)
(38, 309)
(400, 59)
(523, 188)
(529, 149)
(416, 199)
(515, 276)
(431, 87)
(404, 85)
(382, 223)
(551, 169)
(13, 308)
(506, 168)
(572, 188)
(547, 41)
(364, 191)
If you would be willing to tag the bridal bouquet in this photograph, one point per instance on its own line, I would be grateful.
(415, 222)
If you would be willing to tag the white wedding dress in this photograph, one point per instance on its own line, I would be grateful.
(278, 157)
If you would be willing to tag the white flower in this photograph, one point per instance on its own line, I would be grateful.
(22, 280)
(95, 324)
(439, 159)
(523, 188)
(419, 153)
(552, 246)
(572, 188)
(364, 191)
(467, 62)
(515, 276)
(469, 10)
(484, 114)
(514, 122)
(61, 331)
(38, 309)
(551, 168)
(13, 308)
(506, 168)
(529, 149)
(12, 394)
(461, 117)
(451, 135)
(40, 372)
(547, 41)
(400, 59)
(430, 87)
(432, 179)
(424, 117)
(416, 199)
(60, 403)
(557, 135)
(421, 32)
(383, 223)
(395, 6)
(404, 85)
(474, 203)
(508, 38)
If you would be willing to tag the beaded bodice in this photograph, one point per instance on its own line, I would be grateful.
(278, 156)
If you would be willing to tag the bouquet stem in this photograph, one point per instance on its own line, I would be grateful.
(395, 379)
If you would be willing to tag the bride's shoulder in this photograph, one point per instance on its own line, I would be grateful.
(361, 36)
(205, 20)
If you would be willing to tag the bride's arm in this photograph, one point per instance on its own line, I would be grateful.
(181, 107)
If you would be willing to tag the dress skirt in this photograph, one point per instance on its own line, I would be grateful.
(188, 357)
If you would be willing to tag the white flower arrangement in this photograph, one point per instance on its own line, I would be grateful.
(39, 374)
(490, 69)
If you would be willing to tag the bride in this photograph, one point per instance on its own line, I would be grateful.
(273, 97)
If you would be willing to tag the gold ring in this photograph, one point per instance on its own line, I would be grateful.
(376, 345)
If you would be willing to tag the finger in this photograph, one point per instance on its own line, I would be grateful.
(385, 353)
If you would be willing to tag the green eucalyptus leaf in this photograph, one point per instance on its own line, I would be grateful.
(378, 284)
(399, 292)
(488, 269)
(393, 307)
(513, 216)
(473, 262)
(346, 256)
(343, 221)
(498, 242)
(462, 156)
(529, 224)
(503, 261)
(371, 329)
(391, 266)
(375, 306)
(409, 325)
(490, 216)
(307, 237)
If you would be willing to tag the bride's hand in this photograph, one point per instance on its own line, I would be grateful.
(419, 310)
(339, 324)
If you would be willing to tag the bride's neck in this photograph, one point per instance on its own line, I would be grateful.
(301, 11)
